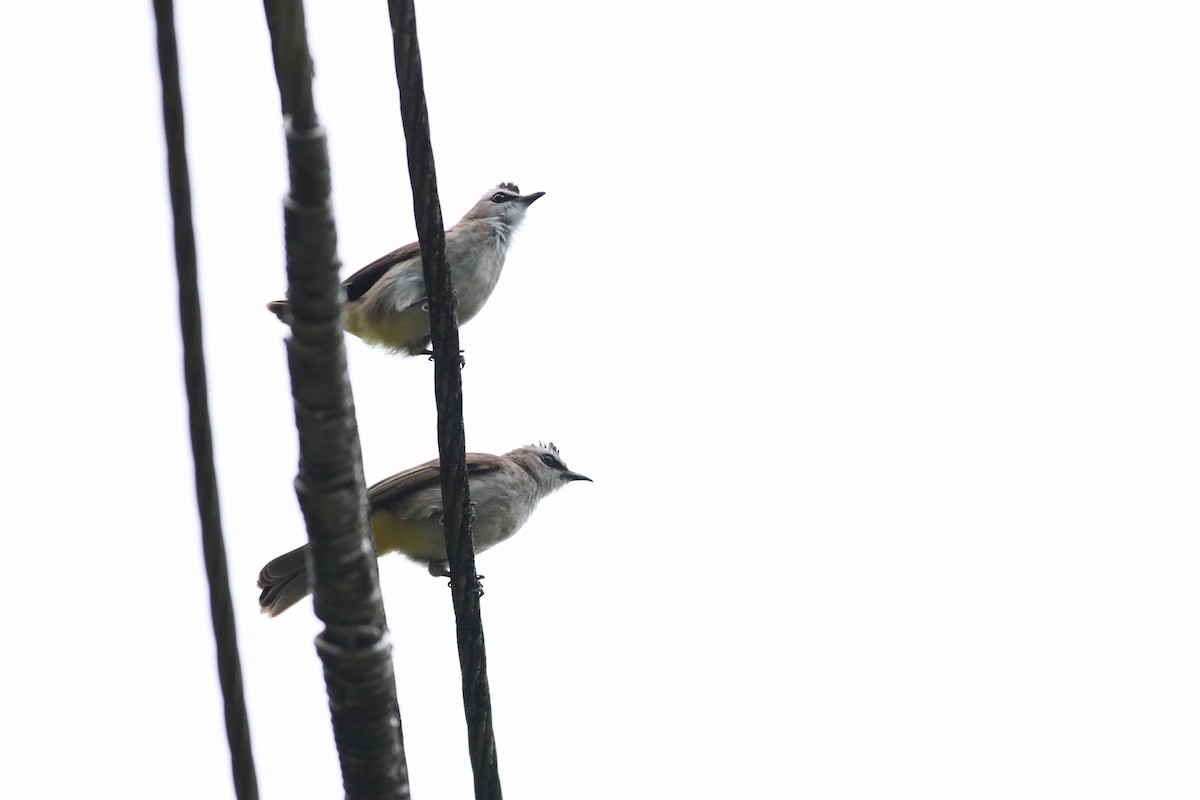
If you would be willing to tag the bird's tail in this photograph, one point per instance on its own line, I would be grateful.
(284, 582)
(281, 309)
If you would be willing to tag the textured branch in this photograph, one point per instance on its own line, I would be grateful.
(354, 647)
(448, 394)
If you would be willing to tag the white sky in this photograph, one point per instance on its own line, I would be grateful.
(875, 324)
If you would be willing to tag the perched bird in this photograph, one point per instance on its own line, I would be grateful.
(386, 304)
(406, 514)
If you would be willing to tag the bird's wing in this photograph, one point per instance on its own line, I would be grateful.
(361, 282)
(390, 491)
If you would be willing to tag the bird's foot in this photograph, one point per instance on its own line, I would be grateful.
(478, 588)
(462, 361)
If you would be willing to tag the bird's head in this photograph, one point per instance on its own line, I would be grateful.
(503, 205)
(545, 465)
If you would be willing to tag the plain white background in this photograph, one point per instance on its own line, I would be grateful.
(875, 324)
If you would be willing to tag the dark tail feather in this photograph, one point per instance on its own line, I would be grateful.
(281, 309)
(284, 582)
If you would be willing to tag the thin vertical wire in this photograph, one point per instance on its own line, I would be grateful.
(237, 727)
(456, 500)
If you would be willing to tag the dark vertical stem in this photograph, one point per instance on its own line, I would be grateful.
(237, 726)
(355, 647)
(448, 394)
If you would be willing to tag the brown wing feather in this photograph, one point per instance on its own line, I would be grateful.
(361, 282)
(390, 490)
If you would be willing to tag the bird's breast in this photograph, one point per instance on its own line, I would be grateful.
(503, 503)
(475, 266)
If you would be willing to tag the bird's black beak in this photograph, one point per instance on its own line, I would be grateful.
(575, 476)
(527, 199)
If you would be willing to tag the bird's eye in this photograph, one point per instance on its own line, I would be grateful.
(501, 197)
(551, 461)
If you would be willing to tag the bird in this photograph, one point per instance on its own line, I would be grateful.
(386, 303)
(406, 515)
